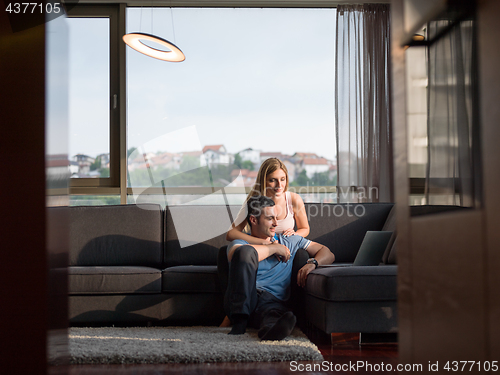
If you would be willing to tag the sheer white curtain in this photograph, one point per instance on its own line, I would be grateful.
(453, 145)
(362, 108)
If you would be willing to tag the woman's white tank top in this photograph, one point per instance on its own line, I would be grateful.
(289, 221)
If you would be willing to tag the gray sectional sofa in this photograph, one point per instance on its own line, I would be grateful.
(140, 264)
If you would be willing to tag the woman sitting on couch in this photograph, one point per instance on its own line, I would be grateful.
(272, 181)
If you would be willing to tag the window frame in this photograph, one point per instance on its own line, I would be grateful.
(111, 184)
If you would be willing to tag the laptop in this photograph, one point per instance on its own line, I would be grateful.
(371, 250)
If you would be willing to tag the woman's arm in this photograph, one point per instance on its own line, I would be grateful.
(299, 211)
(265, 251)
(236, 233)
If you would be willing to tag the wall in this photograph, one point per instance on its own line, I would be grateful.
(23, 271)
(449, 304)
(489, 63)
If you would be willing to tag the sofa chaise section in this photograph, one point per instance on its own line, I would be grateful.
(353, 299)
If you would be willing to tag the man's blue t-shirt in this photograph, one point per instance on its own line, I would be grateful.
(273, 275)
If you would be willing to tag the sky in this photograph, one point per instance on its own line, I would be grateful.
(258, 78)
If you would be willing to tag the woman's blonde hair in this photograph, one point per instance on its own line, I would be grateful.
(268, 166)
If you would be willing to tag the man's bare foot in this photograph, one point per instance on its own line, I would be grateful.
(226, 322)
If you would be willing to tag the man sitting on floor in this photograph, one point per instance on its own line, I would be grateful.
(260, 275)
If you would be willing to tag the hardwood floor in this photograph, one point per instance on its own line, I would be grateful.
(345, 352)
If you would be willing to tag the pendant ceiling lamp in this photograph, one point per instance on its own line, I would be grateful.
(172, 52)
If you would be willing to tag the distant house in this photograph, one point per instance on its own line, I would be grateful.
(251, 155)
(81, 164)
(305, 155)
(216, 154)
(59, 166)
(140, 161)
(218, 148)
(84, 162)
(104, 160)
(165, 160)
(315, 165)
(82, 158)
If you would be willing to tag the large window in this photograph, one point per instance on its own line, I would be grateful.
(256, 83)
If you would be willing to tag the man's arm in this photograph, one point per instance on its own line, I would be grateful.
(321, 253)
(265, 251)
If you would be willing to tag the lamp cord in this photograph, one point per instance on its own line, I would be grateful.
(140, 21)
(152, 19)
(172, 18)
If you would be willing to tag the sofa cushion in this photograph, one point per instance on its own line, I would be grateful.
(342, 227)
(191, 279)
(194, 234)
(125, 235)
(114, 280)
(376, 283)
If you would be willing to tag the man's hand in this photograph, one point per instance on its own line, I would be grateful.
(302, 274)
(281, 251)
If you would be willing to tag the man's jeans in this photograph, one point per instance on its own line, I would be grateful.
(242, 296)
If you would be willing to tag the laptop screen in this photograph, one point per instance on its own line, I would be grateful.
(372, 248)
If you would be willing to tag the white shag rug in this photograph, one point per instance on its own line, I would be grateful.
(183, 345)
